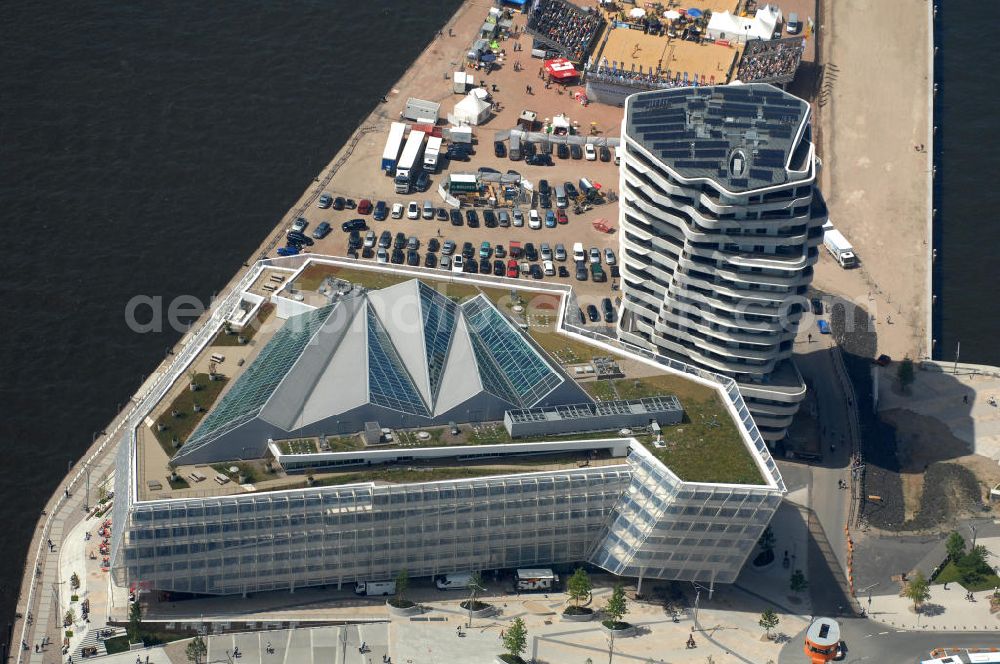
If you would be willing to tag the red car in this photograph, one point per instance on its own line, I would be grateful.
(512, 268)
(561, 216)
(365, 206)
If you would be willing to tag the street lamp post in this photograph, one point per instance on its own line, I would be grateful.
(972, 527)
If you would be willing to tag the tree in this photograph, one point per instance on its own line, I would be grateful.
(904, 374)
(134, 622)
(579, 586)
(955, 546)
(515, 639)
(798, 581)
(616, 607)
(402, 585)
(768, 620)
(972, 566)
(69, 618)
(196, 650)
(918, 590)
(766, 540)
(74, 581)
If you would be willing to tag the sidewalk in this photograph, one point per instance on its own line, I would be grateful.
(946, 611)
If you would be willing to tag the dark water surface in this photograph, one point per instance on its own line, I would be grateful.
(967, 193)
(148, 148)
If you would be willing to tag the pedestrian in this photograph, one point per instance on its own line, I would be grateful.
(946, 585)
(965, 398)
(450, 33)
(810, 337)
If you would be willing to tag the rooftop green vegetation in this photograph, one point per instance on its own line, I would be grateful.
(249, 471)
(312, 277)
(179, 419)
(706, 446)
(230, 337)
(312, 446)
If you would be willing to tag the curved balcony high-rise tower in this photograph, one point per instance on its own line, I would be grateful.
(720, 224)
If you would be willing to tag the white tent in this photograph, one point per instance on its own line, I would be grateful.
(724, 25)
(471, 110)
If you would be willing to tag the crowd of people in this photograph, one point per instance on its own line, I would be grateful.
(649, 79)
(770, 61)
(571, 28)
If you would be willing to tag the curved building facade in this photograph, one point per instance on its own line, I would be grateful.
(720, 224)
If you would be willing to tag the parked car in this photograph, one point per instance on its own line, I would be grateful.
(399, 241)
(817, 306)
(535, 271)
(604, 153)
(563, 272)
(456, 218)
(824, 327)
(570, 189)
(595, 255)
(412, 258)
(539, 160)
(339, 203)
(548, 268)
(530, 252)
(499, 251)
(445, 263)
(534, 221)
(575, 151)
(382, 256)
(325, 200)
(545, 202)
(299, 225)
(412, 210)
(457, 264)
(562, 151)
(590, 152)
(433, 244)
(423, 182)
(597, 272)
(442, 214)
(354, 225)
(485, 250)
(322, 230)
(543, 188)
(503, 219)
(609, 256)
(609, 310)
(560, 253)
(370, 239)
(517, 218)
(546, 251)
(489, 219)
(512, 270)
(385, 239)
(468, 250)
(499, 149)
(593, 314)
(561, 216)
(288, 251)
(428, 210)
(381, 211)
(550, 219)
(364, 206)
(471, 266)
(430, 260)
(354, 240)
(448, 248)
(581, 271)
(299, 239)
(484, 266)
(413, 242)
(397, 211)
(471, 219)
(397, 257)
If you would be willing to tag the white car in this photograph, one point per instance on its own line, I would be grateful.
(370, 239)
(609, 256)
(595, 255)
(518, 217)
(382, 256)
(589, 152)
(534, 221)
(457, 264)
(397, 210)
(548, 268)
(578, 254)
(413, 210)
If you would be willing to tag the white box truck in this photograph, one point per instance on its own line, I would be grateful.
(409, 163)
(393, 145)
(373, 588)
(839, 248)
(431, 153)
(535, 579)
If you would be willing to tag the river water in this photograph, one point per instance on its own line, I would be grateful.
(147, 149)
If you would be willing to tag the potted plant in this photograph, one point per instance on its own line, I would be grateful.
(398, 604)
(579, 588)
(475, 607)
(766, 545)
(192, 383)
(614, 611)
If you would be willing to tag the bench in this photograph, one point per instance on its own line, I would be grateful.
(154, 485)
(218, 358)
(270, 288)
(221, 479)
(276, 278)
(197, 477)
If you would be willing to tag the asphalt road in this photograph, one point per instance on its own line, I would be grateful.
(872, 642)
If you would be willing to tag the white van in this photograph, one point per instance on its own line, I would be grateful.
(428, 210)
(453, 581)
(373, 588)
(561, 201)
(578, 253)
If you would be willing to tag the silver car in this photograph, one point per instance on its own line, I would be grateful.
(518, 218)
(560, 252)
